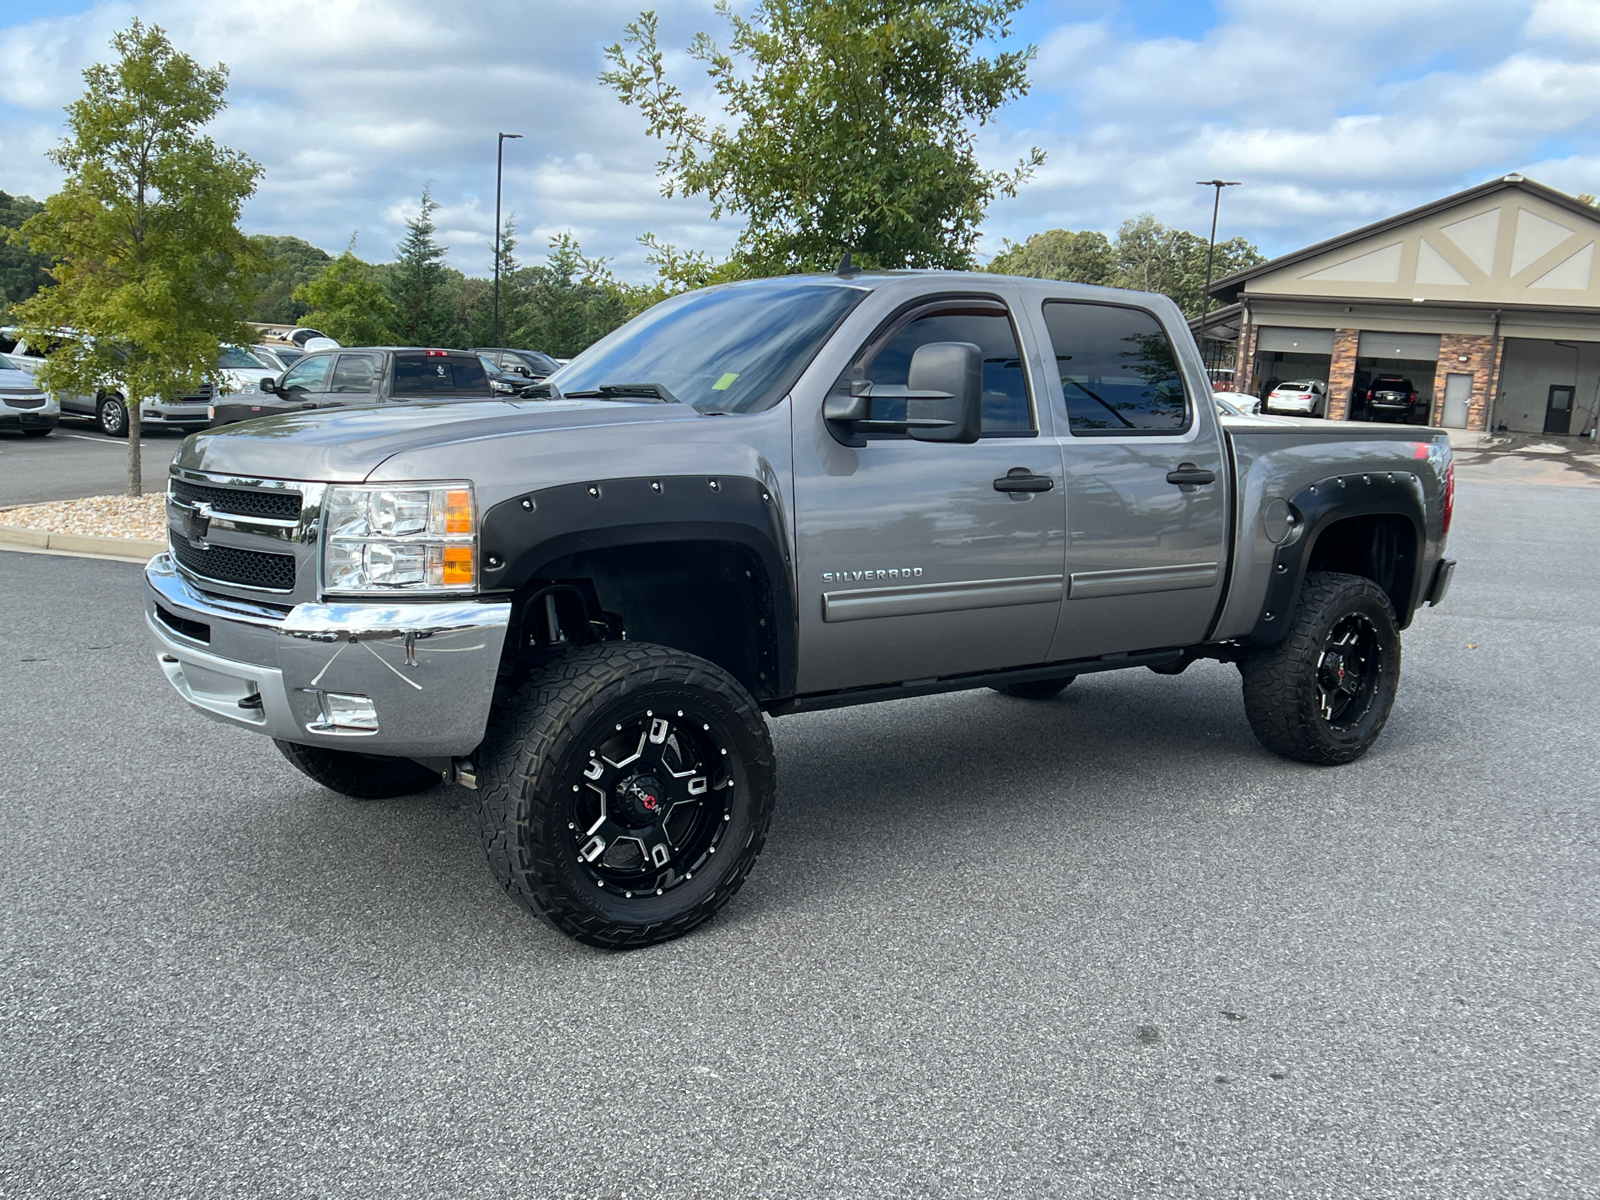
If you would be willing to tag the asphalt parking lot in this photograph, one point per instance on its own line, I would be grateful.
(1099, 946)
(78, 460)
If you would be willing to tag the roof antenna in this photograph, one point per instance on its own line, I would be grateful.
(846, 268)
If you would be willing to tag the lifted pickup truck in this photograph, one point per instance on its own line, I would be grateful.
(772, 497)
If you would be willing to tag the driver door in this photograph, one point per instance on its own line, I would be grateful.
(913, 562)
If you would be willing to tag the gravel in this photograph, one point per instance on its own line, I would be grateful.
(139, 517)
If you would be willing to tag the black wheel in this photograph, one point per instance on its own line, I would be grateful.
(1322, 695)
(1036, 689)
(112, 414)
(364, 776)
(36, 433)
(626, 792)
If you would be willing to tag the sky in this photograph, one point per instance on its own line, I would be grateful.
(1331, 114)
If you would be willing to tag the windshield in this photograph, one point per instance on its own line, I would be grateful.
(7, 365)
(735, 348)
(236, 358)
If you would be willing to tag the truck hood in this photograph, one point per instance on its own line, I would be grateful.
(345, 445)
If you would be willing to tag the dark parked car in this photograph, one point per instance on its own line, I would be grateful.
(530, 364)
(1392, 398)
(364, 375)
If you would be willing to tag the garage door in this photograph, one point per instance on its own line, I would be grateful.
(1418, 347)
(1283, 340)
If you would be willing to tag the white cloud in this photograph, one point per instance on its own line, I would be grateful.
(1333, 115)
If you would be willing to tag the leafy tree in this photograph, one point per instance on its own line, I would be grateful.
(1082, 257)
(150, 267)
(1147, 257)
(22, 273)
(1153, 258)
(568, 302)
(291, 263)
(347, 303)
(852, 126)
(417, 280)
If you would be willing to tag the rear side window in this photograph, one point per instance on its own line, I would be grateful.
(355, 373)
(7, 344)
(422, 375)
(1118, 370)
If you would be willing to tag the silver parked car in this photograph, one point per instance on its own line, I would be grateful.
(23, 404)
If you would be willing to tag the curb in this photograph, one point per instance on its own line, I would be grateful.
(122, 549)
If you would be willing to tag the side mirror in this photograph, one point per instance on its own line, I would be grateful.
(269, 385)
(943, 394)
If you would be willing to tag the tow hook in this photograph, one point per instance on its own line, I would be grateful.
(463, 773)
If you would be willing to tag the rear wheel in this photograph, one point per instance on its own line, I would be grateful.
(1036, 689)
(626, 793)
(363, 776)
(1323, 694)
(112, 414)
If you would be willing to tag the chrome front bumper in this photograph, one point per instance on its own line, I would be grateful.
(428, 668)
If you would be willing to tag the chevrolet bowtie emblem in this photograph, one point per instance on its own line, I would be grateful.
(196, 524)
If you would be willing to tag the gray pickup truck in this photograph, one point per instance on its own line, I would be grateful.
(774, 497)
(359, 375)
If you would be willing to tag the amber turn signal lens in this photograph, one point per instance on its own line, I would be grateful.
(458, 566)
(458, 512)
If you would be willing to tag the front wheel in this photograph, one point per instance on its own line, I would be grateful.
(626, 793)
(112, 414)
(1323, 694)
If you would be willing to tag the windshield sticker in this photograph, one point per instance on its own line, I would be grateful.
(725, 382)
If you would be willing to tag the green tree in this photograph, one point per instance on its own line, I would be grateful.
(417, 280)
(568, 302)
(347, 303)
(291, 263)
(22, 272)
(853, 126)
(150, 266)
(1082, 257)
(1150, 257)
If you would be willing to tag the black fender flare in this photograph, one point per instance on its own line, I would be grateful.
(523, 534)
(1311, 511)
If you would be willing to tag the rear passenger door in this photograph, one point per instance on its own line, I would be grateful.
(1147, 485)
(354, 380)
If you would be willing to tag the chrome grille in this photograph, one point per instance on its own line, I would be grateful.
(243, 536)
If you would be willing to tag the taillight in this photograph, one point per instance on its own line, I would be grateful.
(437, 354)
(1369, 393)
(1449, 493)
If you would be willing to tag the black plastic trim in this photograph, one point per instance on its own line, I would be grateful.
(527, 533)
(1319, 505)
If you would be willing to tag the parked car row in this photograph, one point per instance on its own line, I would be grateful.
(310, 371)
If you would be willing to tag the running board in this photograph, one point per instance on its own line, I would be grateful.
(963, 683)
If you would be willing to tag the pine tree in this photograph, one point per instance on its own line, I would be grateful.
(417, 281)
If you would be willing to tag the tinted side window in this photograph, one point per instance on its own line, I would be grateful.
(355, 373)
(308, 375)
(1118, 370)
(420, 375)
(1005, 390)
(7, 344)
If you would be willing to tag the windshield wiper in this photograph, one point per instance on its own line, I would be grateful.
(627, 391)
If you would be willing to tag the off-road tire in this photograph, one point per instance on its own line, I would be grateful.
(1282, 695)
(111, 414)
(1037, 689)
(544, 737)
(362, 776)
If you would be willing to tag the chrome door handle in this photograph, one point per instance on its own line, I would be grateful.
(1020, 479)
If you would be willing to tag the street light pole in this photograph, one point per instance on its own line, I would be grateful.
(499, 173)
(1211, 252)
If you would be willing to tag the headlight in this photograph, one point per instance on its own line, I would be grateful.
(500, 385)
(400, 538)
(245, 388)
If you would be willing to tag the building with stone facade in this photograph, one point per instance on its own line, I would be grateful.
(1487, 301)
